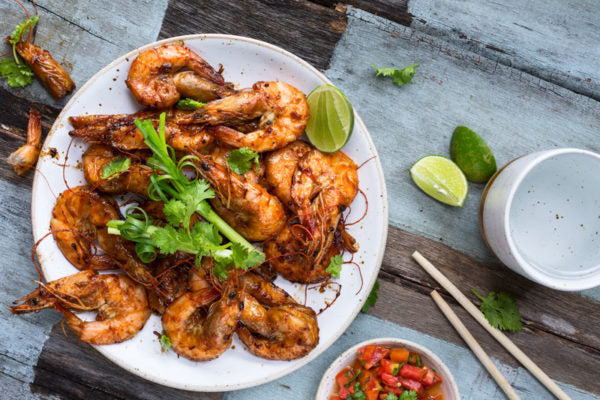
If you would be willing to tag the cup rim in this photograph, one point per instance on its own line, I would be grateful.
(569, 284)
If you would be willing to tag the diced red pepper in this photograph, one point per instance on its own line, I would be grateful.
(389, 380)
(335, 398)
(412, 372)
(344, 392)
(395, 390)
(342, 378)
(412, 385)
(430, 378)
(388, 367)
(399, 355)
(372, 354)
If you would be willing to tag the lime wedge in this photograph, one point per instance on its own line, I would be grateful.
(440, 178)
(331, 119)
(472, 155)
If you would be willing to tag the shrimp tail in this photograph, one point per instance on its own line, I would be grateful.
(27, 155)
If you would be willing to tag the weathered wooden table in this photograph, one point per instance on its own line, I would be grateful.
(523, 74)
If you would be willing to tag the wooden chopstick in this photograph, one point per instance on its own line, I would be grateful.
(475, 347)
(499, 336)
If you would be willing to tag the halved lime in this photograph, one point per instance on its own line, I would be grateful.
(440, 178)
(472, 155)
(331, 119)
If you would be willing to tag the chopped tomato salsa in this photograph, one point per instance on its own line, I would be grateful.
(381, 373)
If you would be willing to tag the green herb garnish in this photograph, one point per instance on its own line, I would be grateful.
(408, 395)
(15, 73)
(240, 160)
(372, 298)
(115, 166)
(182, 198)
(501, 311)
(391, 396)
(165, 342)
(335, 266)
(400, 76)
(189, 104)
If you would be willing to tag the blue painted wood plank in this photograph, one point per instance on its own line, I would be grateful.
(514, 112)
(556, 40)
(472, 379)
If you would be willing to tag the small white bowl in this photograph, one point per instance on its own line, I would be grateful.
(429, 359)
(540, 215)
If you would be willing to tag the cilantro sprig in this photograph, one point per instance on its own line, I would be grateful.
(240, 160)
(116, 166)
(182, 198)
(501, 311)
(335, 266)
(165, 342)
(400, 76)
(372, 298)
(15, 73)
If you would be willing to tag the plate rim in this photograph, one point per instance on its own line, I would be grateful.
(385, 212)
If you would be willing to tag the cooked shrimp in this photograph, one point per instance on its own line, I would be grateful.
(121, 303)
(172, 275)
(264, 291)
(203, 337)
(220, 154)
(246, 206)
(282, 109)
(189, 84)
(78, 218)
(122, 134)
(136, 179)
(284, 332)
(27, 155)
(150, 77)
(52, 75)
(280, 166)
(295, 255)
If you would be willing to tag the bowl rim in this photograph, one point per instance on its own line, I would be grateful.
(337, 363)
(574, 283)
(126, 365)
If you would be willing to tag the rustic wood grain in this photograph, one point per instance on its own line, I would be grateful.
(72, 369)
(393, 10)
(557, 325)
(306, 29)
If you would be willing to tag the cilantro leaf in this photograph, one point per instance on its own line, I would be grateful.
(391, 396)
(192, 196)
(175, 211)
(335, 266)
(117, 165)
(244, 258)
(166, 239)
(17, 75)
(240, 160)
(501, 311)
(165, 342)
(400, 76)
(189, 104)
(372, 298)
(408, 395)
(21, 28)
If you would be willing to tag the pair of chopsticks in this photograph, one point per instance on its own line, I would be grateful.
(497, 334)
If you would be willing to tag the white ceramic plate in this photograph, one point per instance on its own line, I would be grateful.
(429, 359)
(246, 61)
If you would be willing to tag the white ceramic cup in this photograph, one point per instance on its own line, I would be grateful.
(540, 215)
(429, 359)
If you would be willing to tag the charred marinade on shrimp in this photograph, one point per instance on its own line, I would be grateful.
(121, 304)
(135, 180)
(78, 219)
(27, 155)
(282, 109)
(203, 336)
(153, 81)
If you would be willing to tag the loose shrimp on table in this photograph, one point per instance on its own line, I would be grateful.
(159, 76)
(281, 108)
(25, 157)
(121, 304)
